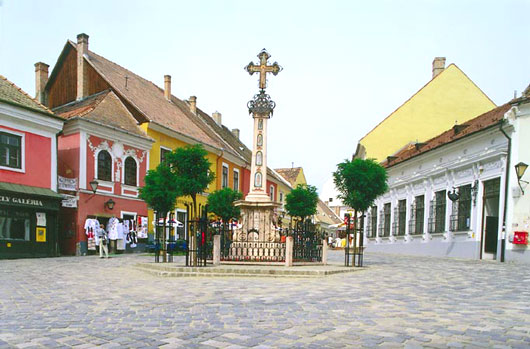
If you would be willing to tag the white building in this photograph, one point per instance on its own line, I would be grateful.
(475, 163)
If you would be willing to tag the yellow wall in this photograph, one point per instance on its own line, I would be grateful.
(449, 97)
(162, 140)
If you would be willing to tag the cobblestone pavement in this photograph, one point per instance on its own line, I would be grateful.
(395, 301)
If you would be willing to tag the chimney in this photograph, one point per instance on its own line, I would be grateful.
(235, 131)
(82, 69)
(217, 118)
(438, 66)
(167, 87)
(193, 104)
(41, 78)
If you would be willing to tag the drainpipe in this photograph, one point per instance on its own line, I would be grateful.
(503, 240)
(217, 165)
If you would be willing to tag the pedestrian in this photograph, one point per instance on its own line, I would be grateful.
(103, 242)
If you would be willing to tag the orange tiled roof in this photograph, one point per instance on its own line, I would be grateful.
(290, 174)
(477, 124)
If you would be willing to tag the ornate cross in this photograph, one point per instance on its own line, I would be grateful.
(263, 68)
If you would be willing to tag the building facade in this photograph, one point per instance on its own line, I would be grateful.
(29, 202)
(456, 195)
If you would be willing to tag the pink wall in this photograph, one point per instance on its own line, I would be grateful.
(38, 158)
(68, 155)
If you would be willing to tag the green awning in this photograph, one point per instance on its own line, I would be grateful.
(25, 196)
(26, 189)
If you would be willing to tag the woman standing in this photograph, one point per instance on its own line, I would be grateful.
(103, 242)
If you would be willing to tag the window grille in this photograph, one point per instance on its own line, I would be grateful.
(417, 215)
(437, 213)
(461, 210)
(386, 225)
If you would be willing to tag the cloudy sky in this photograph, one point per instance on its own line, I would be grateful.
(347, 64)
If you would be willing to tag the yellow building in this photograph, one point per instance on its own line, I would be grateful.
(448, 98)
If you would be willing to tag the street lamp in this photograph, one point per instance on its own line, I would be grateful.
(520, 169)
(94, 185)
(110, 204)
(454, 195)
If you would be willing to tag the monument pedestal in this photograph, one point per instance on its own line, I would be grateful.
(257, 239)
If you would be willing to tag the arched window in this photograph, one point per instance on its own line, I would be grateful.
(130, 172)
(260, 139)
(259, 158)
(104, 166)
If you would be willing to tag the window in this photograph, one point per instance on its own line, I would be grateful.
(224, 180)
(416, 215)
(281, 196)
(437, 213)
(236, 180)
(386, 222)
(401, 217)
(130, 172)
(163, 153)
(371, 222)
(104, 166)
(271, 192)
(15, 225)
(10, 150)
(461, 209)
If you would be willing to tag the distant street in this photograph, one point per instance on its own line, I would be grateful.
(395, 301)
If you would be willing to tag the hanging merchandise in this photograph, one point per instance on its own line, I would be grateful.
(142, 227)
(112, 228)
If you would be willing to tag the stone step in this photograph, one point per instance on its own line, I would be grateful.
(163, 269)
(164, 273)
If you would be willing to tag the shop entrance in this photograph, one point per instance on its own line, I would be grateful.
(490, 220)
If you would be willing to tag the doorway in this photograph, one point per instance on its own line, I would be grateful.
(490, 220)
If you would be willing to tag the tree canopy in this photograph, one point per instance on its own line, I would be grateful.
(160, 191)
(191, 170)
(221, 203)
(302, 201)
(360, 182)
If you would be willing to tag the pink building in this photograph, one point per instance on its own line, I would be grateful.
(29, 202)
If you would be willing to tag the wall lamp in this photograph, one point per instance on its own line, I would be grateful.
(110, 204)
(520, 169)
(453, 195)
(94, 185)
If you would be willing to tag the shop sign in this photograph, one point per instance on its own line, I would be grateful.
(69, 201)
(20, 201)
(67, 183)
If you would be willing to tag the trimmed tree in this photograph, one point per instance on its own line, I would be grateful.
(221, 203)
(160, 192)
(191, 170)
(360, 182)
(302, 201)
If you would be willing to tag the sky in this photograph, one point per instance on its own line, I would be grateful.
(346, 64)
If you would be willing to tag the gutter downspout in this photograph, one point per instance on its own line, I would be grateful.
(219, 157)
(503, 240)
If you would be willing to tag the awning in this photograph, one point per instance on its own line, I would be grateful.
(28, 197)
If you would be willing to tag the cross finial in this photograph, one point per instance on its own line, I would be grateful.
(263, 68)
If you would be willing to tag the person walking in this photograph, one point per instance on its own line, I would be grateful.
(103, 242)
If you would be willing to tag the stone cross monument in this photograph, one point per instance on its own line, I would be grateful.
(258, 234)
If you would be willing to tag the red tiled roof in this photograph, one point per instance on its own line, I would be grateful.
(11, 93)
(477, 124)
(104, 108)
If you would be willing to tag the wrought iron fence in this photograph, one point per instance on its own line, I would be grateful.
(199, 243)
(307, 243)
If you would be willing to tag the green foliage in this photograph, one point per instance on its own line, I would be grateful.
(160, 190)
(191, 171)
(221, 203)
(360, 182)
(302, 201)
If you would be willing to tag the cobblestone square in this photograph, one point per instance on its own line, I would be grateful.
(395, 301)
